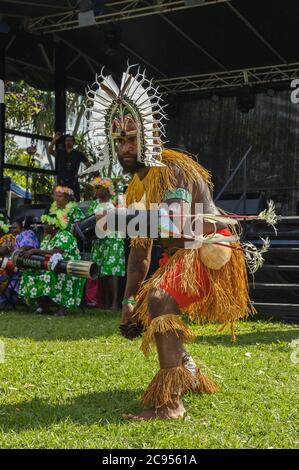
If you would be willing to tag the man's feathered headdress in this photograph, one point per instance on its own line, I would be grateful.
(133, 109)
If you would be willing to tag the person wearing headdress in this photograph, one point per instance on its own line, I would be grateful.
(202, 272)
(65, 207)
(107, 252)
(49, 288)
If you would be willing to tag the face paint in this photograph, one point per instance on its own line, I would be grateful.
(126, 122)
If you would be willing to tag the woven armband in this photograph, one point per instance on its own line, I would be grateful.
(178, 193)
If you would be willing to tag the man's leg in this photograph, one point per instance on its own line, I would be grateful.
(173, 379)
(44, 304)
(178, 372)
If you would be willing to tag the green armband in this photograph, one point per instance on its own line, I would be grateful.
(178, 193)
(129, 301)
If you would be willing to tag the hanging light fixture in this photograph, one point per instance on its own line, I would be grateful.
(86, 16)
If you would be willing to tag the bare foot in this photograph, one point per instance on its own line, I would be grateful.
(60, 313)
(42, 311)
(43, 306)
(165, 412)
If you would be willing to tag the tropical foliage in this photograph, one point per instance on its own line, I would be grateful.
(31, 110)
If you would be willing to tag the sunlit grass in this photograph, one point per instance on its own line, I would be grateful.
(65, 382)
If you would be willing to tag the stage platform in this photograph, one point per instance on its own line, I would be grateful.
(275, 287)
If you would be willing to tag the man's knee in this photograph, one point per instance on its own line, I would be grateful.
(161, 303)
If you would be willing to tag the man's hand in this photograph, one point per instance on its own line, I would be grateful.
(54, 140)
(56, 137)
(127, 313)
(130, 328)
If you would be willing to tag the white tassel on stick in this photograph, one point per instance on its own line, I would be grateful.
(254, 256)
(269, 215)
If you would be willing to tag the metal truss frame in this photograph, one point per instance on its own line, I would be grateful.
(24, 64)
(210, 82)
(118, 10)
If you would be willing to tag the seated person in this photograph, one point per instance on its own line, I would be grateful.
(65, 207)
(25, 239)
(49, 288)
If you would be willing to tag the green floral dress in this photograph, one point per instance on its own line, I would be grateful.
(108, 252)
(63, 289)
(69, 215)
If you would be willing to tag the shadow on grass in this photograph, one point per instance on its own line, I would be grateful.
(102, 407)
(246, 339)
(75, 326)
(97, 323)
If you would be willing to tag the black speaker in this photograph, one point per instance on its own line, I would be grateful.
(33, 210)
(245, 100)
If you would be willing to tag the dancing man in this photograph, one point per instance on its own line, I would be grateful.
(206, 281)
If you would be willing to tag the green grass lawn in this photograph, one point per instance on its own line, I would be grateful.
(65, 383)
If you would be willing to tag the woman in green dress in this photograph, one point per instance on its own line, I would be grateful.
(50, 288)
(64, 206)
(107, 252)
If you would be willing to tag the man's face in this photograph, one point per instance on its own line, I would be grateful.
(69, 143)
(126, 148)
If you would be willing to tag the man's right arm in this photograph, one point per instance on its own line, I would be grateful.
(53, 142)
(138, 266)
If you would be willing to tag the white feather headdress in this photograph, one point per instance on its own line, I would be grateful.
(136, 97)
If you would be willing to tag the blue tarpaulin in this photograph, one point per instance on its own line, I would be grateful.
(16, 189)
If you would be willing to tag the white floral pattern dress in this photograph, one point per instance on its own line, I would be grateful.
(63, 289)
(108, 252)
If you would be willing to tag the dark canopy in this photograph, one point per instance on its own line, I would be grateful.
(212, 41)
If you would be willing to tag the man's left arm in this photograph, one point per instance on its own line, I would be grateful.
(86, 163)
(177, 206)
(180, 202)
